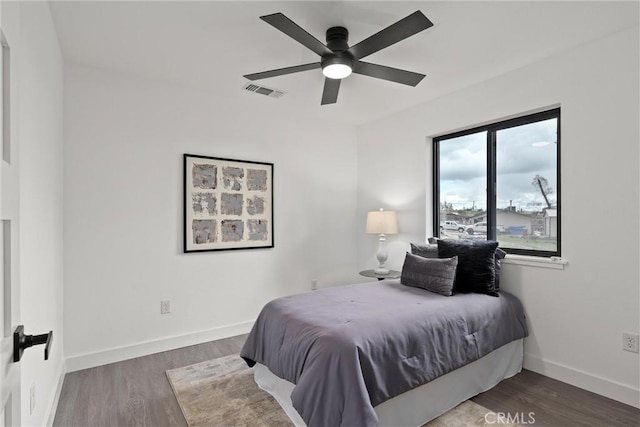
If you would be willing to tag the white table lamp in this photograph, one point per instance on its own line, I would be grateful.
(382, 222)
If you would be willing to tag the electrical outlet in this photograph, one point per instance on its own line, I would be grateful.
(314, 284)
(32, 399)
(630, 342)
(165, 307)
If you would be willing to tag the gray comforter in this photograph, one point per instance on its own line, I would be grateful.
(350, 348)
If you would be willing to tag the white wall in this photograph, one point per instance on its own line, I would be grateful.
(576, 315)
(40, 81)
(123, 203)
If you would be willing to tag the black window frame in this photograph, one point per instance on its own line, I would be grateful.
(492, 130)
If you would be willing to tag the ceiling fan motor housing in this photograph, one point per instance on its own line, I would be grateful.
(343, 58)
(337, 38)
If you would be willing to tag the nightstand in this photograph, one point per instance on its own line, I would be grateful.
(393, 274)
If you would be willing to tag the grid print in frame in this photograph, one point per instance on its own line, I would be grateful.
(228, 204)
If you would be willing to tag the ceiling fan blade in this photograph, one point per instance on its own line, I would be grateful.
(387, 73)
(330, 92)
(394, 33)
(294, 31)
(282, 71)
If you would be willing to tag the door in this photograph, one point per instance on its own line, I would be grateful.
(9, 227)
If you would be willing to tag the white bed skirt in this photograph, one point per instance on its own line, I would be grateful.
(420, 405)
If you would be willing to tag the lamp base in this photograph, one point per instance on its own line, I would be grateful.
(381, 270)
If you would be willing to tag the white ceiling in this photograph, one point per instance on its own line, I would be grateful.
(208, 46)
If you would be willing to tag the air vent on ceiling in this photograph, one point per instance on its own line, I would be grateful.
(263, 90)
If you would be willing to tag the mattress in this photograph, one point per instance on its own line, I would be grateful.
(425, 403)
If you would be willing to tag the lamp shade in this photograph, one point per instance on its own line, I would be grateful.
(382, 222)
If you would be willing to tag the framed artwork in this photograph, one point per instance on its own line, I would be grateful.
(228, 204)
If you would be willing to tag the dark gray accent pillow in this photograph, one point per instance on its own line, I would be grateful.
(425, 251)
(433, 274)
(500, 255)
(476, 264)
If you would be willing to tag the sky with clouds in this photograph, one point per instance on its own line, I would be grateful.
(522, 153)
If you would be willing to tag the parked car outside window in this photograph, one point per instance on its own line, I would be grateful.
(451, 225)
(478, 227)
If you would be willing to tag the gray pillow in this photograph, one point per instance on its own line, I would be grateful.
(476, 268)
(433, 274)
(425, 251)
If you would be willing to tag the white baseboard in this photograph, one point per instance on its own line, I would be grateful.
(90, 360)
(612, 389)
(53, 405)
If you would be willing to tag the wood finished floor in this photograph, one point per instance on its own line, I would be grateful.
(136, 392)
(555, 403)
(133, 392)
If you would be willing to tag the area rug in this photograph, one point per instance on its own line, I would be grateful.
(221, 392)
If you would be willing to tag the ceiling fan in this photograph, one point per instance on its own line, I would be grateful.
(338, 60)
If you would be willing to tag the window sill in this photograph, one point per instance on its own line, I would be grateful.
(555, 263)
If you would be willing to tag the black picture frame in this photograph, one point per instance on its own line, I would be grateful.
(228, 204)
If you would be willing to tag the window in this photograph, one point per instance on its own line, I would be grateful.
(501, 182)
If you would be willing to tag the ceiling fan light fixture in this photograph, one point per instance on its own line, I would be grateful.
(337, 66)
(336, 71)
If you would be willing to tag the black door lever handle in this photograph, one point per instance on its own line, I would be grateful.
(22, 341)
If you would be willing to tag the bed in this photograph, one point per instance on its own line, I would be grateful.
(382, 353)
